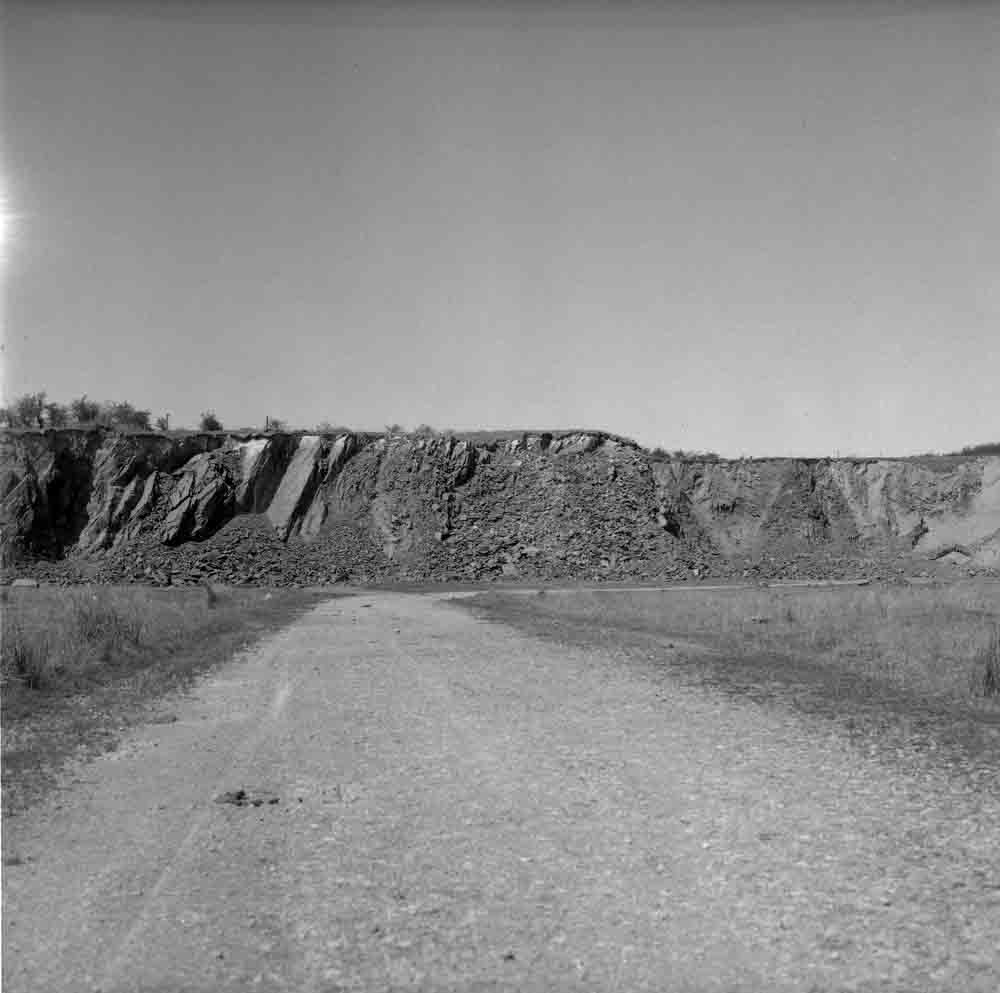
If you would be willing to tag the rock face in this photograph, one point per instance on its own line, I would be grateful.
(123, 481)
(310, 508)
(45, 484)
(297, 485)
(200, 502)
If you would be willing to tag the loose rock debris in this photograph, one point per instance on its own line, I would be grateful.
(247, 798)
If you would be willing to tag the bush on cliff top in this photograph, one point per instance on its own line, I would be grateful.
(989, 448)
(33, 410)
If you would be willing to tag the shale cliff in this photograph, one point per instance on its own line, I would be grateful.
(281, 508)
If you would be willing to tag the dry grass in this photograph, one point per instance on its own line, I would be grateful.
(935, 642)
(991, 665)
(58, 640)
(80, 664)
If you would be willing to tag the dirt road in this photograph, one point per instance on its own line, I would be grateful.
(463, 807)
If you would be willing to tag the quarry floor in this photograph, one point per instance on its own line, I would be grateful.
(432, 801)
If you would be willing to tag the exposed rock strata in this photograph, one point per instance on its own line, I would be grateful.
(297, 486)
(311, 508)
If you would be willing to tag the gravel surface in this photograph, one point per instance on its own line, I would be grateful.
(393, 794)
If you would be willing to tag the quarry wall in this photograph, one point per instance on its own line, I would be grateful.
(306, 508)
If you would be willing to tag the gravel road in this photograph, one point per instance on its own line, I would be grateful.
(463, 807)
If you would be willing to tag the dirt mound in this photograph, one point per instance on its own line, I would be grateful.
(307, 509)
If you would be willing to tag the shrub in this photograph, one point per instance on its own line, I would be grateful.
(56, 415)
(163, 422)
(124, 415)
(209, 422)
(84, 411)
(32, 410)
(29, 410)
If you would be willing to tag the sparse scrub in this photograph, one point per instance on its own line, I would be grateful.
(84, 411)
(66, 643)
(27, 411)
(56, 415)
(988, 448)
(111, 626)
(26, 659)
(123, 415)
(34, 411)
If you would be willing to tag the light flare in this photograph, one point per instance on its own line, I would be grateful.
(7, 219)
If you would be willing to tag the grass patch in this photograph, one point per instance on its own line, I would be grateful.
(990, 662)
(77, 665)
(935, 643)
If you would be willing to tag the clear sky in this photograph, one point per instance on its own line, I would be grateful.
(756, 228)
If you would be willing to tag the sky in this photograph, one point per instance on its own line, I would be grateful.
(750, 228)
